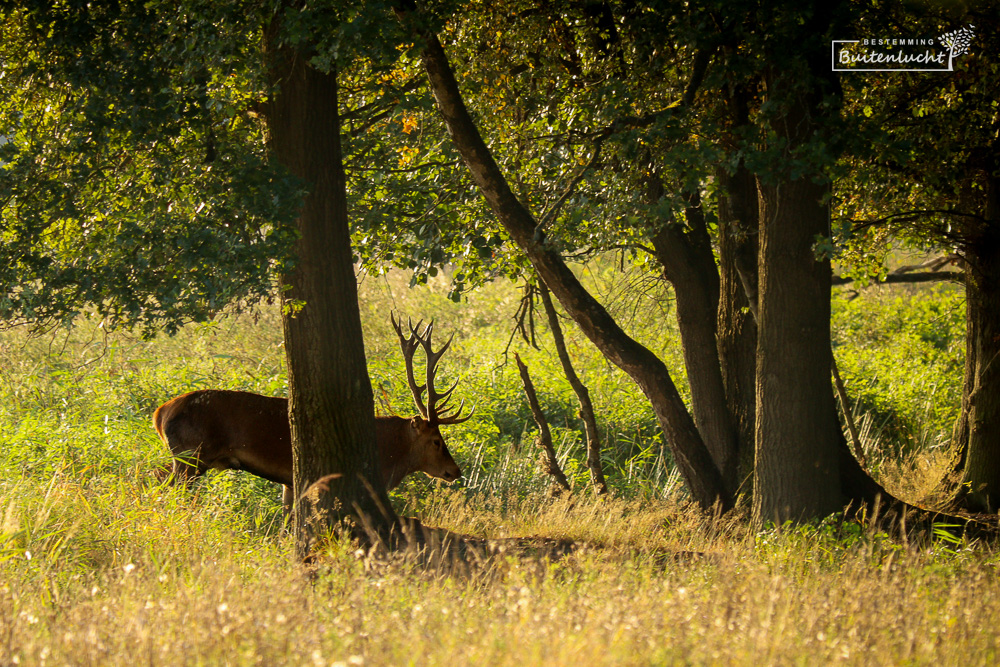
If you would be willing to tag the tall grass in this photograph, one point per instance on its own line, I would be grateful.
(100, 564)
(162, 578)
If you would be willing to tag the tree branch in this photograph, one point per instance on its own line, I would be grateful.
(549, 459)
(550, 214)
(909, 216)
(700, 473)
(701, 60)
(582, 394)
(923, 277)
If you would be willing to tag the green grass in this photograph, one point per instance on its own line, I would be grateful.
(102, 565)
(901, 352)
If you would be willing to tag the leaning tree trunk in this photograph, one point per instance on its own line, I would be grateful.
(978, 429)
(331, 406)
(699, 471)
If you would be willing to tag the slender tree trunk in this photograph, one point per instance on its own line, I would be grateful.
(689, 265)
(960, 432)
(737, 326)
(699, 471)
(583, 395)
(331, 407)
(845, 406)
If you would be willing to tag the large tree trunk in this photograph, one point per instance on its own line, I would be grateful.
(797, 467)
(738, 247)
(739, 227)
(978, 430)
(331, 407)
(702, 477)
(689, 265)
(796, 472)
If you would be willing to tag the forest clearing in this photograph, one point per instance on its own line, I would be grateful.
(103, 564)
(520, 332)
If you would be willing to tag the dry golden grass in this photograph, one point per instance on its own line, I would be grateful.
(128, 574)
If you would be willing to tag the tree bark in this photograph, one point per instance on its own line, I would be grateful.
(337, 481)
(702, 477)
(796, 472)
(583, 395)
(689, 265)
(797, 466)
(978, 430)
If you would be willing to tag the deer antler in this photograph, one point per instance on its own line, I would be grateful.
(408, 347)
(434, 410)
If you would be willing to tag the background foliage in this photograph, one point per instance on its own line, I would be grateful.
(78, 401)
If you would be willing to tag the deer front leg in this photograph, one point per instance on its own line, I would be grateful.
(287, 499)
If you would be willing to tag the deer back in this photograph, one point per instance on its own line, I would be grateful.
(238, 430)
(225, 429)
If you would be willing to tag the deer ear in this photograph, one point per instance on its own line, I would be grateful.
(415, 423)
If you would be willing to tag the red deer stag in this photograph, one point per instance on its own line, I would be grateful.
(238, 430)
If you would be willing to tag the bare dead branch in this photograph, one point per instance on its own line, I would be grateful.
(524, 319)
(583, 395)
(549, 460)
(897, 278)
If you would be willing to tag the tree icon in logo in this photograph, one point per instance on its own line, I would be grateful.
(957, 42)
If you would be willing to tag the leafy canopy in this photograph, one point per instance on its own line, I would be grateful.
(134, 175)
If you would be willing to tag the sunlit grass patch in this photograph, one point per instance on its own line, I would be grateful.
(224, 597)
(102, 564)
